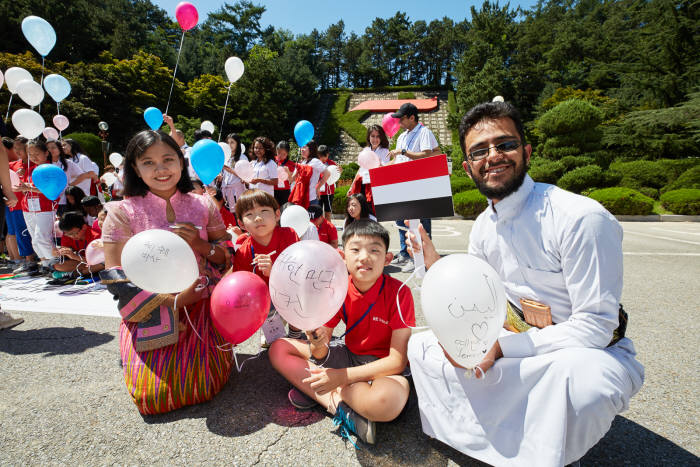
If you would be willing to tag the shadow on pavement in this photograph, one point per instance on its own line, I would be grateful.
(51, 341)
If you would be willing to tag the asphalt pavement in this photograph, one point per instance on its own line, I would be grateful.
(63, 399)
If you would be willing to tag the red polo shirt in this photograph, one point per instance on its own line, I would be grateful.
(372, 335)
(228, 217)
(42, 203)
(330, 189)
(327, 231)
(282, 237)
(17, 166)
(79, 245)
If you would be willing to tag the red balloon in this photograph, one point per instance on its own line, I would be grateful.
(186, 15)
(239, 306)
(390, 124)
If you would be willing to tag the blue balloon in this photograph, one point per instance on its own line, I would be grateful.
(303, 132)
(57, 86)
(39, 33)
(207, 159)
(50, 180)
(153, 117)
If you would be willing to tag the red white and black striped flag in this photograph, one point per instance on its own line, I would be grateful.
(417, 189)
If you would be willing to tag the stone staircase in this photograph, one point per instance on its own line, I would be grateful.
(347, 149)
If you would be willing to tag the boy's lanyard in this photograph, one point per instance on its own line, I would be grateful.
(345, 316)
(408, 145)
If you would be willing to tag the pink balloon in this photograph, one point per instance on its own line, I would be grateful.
(50, 133)
(282, 173)
(186, 15)
(368, 159)
(239, 306)
(95, 253)
(390, 124)
(14, 178)
(60, 122)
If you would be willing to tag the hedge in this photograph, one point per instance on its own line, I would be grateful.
(91, 144)
(461, 183)
(620, 200)
(350, 122)
(547, 171)
(637, 174)
(581, 178)
(339, 199)
(684, 201)
(573, 162)
(411, 87)
(406, 95)
(349, 171)
(569, 116)
(469, 203)
(331, 128)
(688, 179)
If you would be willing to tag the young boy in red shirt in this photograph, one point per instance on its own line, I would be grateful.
(327, 232)
(359, 380)
(77, 235)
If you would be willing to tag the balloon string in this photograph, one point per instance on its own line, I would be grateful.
(223, 117)
(7, 115)
(175, 72)
(42, 78)
(58, 110)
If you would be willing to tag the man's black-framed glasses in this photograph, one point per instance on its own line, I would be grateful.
(501, 148)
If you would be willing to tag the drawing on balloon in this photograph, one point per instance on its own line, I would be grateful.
(287, 301)
(290, 265)
(154, 253)
(452, 308)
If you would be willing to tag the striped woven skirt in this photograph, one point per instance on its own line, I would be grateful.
(189, 372)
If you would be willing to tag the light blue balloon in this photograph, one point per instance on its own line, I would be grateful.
(57, 87)
(50, 180)
(207, 159)
(153, 117)
(39, 33)
(303, 132)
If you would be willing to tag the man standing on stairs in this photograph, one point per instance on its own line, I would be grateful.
(416, 142)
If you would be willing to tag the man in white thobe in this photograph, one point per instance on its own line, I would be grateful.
(545, 396)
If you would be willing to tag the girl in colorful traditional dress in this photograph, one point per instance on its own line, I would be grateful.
(172, 355)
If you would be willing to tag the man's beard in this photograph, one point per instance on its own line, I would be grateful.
(505, 190)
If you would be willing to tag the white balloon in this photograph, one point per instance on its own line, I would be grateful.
(28, 123)
(242, 148)
(116, 159)
(208, 126)
(30, 92)
(464, 302)
(159, 261)
(498, 99)
(226, 148)
(335, 174)
(234, 68)
(295, 217)
(244, 170)
(109, 178)
(14, 75)
(308, 283)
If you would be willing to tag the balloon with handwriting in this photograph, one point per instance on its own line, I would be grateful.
(239, 305)
(464, 302)
(159, 261)
(308, 283)
(28, 123)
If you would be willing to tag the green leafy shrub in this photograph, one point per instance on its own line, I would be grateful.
(547, 171)
(330, 132)
(469, 203)
(568, 117)
(340, 198)
(637, 174)
(407, 95)
(461, 183)
(673, 168)
(623, 201)
(590, 176)
(350, 122)
(349, 171)
(684, 201)
(688, 179)
(91, 144)
(572, 162)
(650, 192)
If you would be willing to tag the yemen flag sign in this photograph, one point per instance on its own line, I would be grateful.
(417, 189)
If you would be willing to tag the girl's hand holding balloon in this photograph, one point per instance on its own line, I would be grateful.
(188, 232)
(325, 380)
(190, 295)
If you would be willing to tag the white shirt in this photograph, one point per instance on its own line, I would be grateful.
(231, 185)
(86, 165)
(318, 169)
(561, 249)
(419, 139)
(384, 159)
(72, 171)
(266, 170)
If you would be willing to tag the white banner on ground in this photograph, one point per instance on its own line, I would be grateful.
(35, 295)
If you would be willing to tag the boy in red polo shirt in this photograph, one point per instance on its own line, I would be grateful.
(327, 232)
(77, 235)
(359, 380)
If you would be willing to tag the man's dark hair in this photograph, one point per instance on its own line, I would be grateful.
(90, 201)
(71, 220)
(489, 111)
(201, 134)
(366, 228)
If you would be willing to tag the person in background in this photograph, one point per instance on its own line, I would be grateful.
(318, 176)
(8, 321)
(327, 232)
(90, 170)
(264, 166)
(92, 207)
(77, 235)
(357, 208)
(282, 189)
(217, 197)
(232, 187)
(327, 190)
(16, 224)
(74, 196)
(61, 160)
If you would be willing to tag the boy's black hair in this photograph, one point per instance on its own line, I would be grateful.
(323, 150)
(366, 228)
(201, 134)
(8, 142)
(71, 220)
(283, 145)
(219, 196)
(90, 201)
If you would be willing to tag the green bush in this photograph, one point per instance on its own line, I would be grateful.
(547, 171)
(330, 132)
(684, 201)
(573, 162)
(406, 95)
(340, 198)
(349, 171)
(581, 178)
(650, 192)
(469, 203)
(350, 122)
(688, 179)
(673, 168)
(460, 183)
(623, 201)
(91, 144)
(637, 174)
(568, 117)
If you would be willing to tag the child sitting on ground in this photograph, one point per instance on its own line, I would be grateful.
(77, 235)
(359, 380)
(259, 214)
